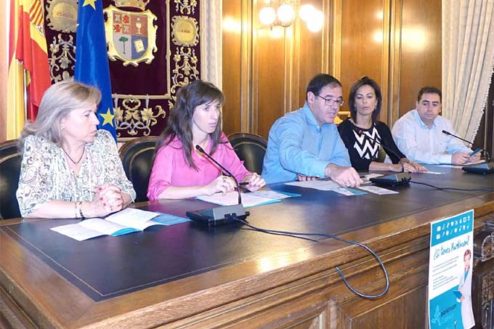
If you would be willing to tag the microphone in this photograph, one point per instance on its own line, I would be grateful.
(479, 168)
(397, 179)
(223, 214)
(477, 150)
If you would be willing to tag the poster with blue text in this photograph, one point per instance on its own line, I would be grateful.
(450, 272)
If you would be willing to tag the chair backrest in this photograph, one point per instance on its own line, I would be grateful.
(137, 159)
(10, 169)
(250, 148)
(381, 157)
(9, 147)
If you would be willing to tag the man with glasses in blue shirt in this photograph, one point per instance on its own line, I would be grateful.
(305, 144)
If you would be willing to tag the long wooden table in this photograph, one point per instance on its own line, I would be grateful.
(188, 276)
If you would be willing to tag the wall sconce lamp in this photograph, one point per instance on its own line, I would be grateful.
(283, 13)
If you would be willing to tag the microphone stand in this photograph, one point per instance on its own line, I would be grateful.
(224, 171)
(480, 168)
(223, 214)
(450, 134)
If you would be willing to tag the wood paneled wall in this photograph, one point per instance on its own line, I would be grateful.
(265, 71)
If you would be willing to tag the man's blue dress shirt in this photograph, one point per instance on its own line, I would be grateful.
(298, 145)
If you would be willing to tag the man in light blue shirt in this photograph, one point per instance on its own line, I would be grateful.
(419, 133)
(305, 144)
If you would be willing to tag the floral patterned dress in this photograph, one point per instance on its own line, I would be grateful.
(45, 173)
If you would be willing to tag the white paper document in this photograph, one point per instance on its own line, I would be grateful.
(327, 185)
(231, 198)
(322, 185)
(377, 190)
(126, 221)
(270, 194)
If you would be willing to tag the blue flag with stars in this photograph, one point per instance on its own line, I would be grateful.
(91, 65)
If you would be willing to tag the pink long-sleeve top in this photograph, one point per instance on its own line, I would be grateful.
(170, 167)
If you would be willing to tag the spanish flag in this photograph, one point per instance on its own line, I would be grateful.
(29, 74)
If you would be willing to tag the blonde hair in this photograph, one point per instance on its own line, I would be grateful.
(58, 101)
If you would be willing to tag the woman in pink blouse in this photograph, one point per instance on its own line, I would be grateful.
(179, 171)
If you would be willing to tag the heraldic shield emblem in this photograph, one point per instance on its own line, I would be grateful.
(131, 36)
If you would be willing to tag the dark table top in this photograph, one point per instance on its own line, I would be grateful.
(107, 266)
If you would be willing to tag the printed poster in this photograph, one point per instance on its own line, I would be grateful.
(450, 272)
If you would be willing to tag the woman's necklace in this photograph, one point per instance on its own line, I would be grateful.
(72, 160)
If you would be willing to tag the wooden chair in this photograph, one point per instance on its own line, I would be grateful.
(137, 160)
(250, 148)
(9, 147)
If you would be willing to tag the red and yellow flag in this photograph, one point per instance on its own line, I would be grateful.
(29, 74)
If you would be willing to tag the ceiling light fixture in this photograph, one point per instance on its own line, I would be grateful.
(284, 12)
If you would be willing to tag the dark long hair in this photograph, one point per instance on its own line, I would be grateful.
(365, 81)
(179, 122)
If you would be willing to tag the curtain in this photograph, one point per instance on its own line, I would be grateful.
(211, 52)
(467, 61)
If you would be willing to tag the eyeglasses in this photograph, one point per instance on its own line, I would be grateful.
(328, 101)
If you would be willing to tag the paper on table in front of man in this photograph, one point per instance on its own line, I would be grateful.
(319, 184)
(327, 185)
(377, 190)
(270, 194)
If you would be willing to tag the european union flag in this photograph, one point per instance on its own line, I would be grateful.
(91, 65)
